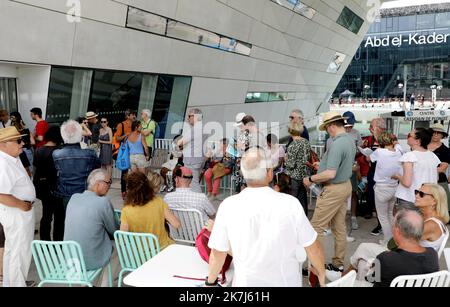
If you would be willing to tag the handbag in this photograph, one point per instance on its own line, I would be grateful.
(201, 242)
(218, 170)
(123, 157)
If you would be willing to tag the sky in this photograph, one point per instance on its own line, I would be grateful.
(400, 3)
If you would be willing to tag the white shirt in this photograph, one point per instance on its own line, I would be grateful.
(424, 171)
(193, 145)
(263, 229)
(388, 164)
(188, 199)
(14, 180)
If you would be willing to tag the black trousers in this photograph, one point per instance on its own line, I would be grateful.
(298, 190)
(123, 182)
(53, 210)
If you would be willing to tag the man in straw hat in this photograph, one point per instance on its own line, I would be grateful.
(17, 194)
(334, 174)
(94, 127)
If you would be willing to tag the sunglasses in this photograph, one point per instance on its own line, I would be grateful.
(422, 194)
(104, 122)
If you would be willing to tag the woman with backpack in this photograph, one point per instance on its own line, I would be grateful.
(139, 153)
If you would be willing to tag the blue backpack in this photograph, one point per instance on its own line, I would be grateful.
(123, 157)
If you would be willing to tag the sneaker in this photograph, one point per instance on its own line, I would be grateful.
(350, 239)
(376, 231)
(305, 272)
(333, 273)
(30, 283)
(355, 225)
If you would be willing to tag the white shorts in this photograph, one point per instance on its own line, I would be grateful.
(138, 161)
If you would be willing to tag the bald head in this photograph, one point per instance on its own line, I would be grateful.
(254, 166)
(410, 225)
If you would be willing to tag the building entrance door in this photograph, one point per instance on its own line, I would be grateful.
(8, 94)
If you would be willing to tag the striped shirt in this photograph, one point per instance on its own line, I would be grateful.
(185, 198)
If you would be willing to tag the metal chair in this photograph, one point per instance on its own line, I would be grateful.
(134, 249)
(437, 279)
(191, 224)
(346, 281)
(63, 263)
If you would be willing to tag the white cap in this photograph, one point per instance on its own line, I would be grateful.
(239, 118)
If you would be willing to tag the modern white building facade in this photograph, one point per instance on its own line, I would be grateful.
(262, 57)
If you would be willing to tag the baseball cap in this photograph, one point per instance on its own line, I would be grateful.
(239, 119)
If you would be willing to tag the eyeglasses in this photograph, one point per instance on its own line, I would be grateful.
(422, 194)
(107, 182)
(104, 122)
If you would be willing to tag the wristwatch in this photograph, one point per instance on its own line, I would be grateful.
(310, 179)
(215, 283)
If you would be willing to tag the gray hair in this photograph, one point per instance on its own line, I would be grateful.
(71, 132)
(298, 112)
(410, 223)
(147, 112)
(96, 176)
(379, 122)
(254, 165)
(198, 112)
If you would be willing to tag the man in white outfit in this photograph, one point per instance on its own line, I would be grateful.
(264, 230)
(17, 194)
(192, 144)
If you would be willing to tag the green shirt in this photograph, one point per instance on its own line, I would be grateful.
(340, 157)
(149, 126)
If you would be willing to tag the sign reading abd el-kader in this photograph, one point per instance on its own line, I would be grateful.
(427, 115)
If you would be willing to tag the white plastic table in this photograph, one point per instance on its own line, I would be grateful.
(174, 260)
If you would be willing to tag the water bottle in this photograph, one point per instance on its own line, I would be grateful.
(316, 189)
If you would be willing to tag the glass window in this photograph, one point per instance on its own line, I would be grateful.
(349, 20)
(232, 45)
(256, 97)
(407, 23)
(68, 94)
(304, 10)
(8, 94)
(298, 7)
(443, 19)
(138, 19)
(192, 34)
(113, 93)
(336, 64)
(425, 21)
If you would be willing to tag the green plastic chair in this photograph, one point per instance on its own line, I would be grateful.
(63, 263)
(134, 249)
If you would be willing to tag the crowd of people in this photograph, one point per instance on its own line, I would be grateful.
(70, 170)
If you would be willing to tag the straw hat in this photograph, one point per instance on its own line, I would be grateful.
(9, 134)
(330, 117)
(91, 115)
(239, 119)
(439, 128)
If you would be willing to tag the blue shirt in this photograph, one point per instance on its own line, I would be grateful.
(90, 222)
(73, 166)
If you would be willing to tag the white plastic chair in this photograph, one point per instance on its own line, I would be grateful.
(191, 224)
(437, 279)
(347, 281)
(447, 257)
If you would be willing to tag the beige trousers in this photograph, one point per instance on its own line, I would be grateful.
(331, 209)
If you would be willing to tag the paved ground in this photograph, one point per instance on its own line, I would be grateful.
(361, 235)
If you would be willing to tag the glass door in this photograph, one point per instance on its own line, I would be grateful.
(8, 94)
